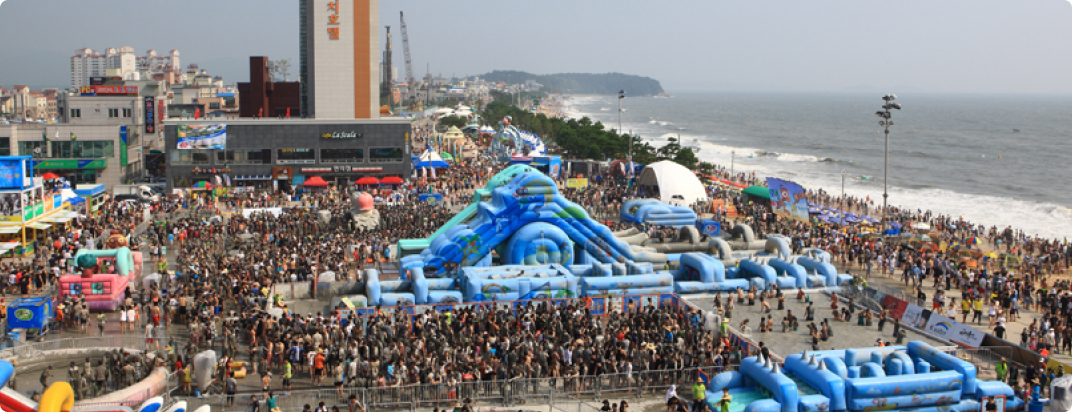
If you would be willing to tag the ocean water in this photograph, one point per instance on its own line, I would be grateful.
(952, 154)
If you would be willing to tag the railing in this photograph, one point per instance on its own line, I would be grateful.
(136, 398)
(34, 349)
(984, 357)
(508, 393)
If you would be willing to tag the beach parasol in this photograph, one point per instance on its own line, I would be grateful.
(924, 238)
(367, 180)
(974, 241)
(50, 176)
(895, 225)
(203, 185)
(921, 226)
(991, 255)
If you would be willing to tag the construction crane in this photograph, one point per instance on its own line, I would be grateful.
(405, 49)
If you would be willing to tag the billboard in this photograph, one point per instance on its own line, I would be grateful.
(11, 207)
(13, 173)
(108, 90)
(211, 136)
(788, 199)
(577, 183)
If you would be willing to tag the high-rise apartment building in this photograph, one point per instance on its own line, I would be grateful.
(121, 62)
(340, 66)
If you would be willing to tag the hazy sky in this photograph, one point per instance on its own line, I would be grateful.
(1004, 46)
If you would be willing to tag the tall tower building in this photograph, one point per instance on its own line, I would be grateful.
(339, 69)
(385, 84)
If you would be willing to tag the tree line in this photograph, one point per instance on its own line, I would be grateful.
(583, 139)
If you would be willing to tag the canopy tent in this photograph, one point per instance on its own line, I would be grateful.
(675, 182)
(315, 181)
(367, 180)
(453, 133)
(431, 159)
(50, 176)
(757, 191)
(446, 156)
(392, 180)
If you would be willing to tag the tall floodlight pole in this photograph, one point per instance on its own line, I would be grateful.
(886, 121)
(842, 201)
(733, 156)
(621, 95)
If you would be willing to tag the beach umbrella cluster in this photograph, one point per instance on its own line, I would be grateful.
(834, 215)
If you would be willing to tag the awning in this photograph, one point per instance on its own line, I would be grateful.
(39, 225)
(6, 246)
(57, 219)
(8, 230)
(757, 191)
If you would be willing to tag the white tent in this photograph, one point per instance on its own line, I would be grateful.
(431, 159)
(676, 183)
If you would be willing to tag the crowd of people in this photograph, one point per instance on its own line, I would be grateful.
(218, 284)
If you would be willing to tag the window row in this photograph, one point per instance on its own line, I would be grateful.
(287, 156)
(70, 149)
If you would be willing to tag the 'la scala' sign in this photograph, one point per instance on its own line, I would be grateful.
(341, 135)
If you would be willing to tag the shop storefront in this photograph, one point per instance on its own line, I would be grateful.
(76, 171)
(276, 154)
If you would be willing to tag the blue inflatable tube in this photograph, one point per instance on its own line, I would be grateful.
(539, 243)
(731, 379)
(907, 366)
(825, 269)
(765, 405)
(945, 361)
(6, 370)
(900, 388)
(826, 381)
(782, 387)
(750, 268)
(779, 245)
(628, 282)
(785, 269)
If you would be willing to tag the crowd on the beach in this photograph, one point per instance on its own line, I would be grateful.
(218, 281)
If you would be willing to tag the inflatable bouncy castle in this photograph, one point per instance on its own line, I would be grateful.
(104, 278)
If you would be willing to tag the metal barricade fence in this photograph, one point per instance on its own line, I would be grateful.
(985, 358)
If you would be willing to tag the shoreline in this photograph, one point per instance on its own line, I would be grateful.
(1034, 217)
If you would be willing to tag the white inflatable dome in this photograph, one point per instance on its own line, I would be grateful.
(677, 184)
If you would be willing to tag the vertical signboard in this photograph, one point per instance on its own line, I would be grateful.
(123, 145)
(150, 115)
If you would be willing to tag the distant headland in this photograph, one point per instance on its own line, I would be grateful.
(583, 83)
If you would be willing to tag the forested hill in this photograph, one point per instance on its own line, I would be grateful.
(582, 83)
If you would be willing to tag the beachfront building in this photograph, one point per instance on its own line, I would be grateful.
(100, 137)
(272, 153)
(28, 210)
(340, 59)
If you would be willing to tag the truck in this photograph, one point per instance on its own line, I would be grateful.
(143, 192)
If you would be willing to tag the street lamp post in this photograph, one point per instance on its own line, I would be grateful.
(886, 121)
(621, 95)
(733, 156)
(841, 202)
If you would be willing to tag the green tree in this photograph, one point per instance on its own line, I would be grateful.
(447, 121)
